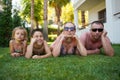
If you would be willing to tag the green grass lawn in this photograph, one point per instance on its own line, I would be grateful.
(71, 67)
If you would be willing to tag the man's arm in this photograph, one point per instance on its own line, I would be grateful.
(106, 44)
(93, 51)
(83, 39)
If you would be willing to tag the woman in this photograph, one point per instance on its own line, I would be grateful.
(68, 42)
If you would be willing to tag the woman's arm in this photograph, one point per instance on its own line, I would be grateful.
(80, 47)
(56, 41)
(57, 47)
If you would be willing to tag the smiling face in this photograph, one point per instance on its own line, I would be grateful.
(96, 30)
(19, 35)
(39, 37)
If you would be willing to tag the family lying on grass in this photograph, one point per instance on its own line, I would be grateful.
(66, 43)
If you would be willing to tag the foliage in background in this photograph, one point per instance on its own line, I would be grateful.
(57, 5)
(67, 13)
(38, 10)
(7, 23)
(17, 21)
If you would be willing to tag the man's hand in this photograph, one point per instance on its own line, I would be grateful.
(97, 50)
(104, 33)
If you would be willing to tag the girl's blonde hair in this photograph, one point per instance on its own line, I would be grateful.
(21, 28)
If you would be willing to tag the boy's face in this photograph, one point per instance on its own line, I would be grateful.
(39, 37)
(19, 35)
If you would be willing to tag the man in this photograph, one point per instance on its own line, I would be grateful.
(97, 38)
(67, 42)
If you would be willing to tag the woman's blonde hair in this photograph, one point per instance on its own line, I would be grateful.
(21, 28)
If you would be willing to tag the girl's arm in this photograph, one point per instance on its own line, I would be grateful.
(24, 47)
(11, 48)
(13, 54)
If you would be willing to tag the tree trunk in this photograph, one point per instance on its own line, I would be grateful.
(45, 28)
(32, 15)
(58, 14)
(37, 25)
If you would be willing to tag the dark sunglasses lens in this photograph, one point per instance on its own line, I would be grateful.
(67, 28)
(100, 30)
(94, 30)
(72, 28)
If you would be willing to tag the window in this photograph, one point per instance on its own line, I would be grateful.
(102, 15)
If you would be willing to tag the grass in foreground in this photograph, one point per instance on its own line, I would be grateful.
(71, 67)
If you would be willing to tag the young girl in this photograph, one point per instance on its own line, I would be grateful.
(38, 47)
(18, 43)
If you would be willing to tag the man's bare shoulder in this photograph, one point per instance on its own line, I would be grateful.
(84, 35)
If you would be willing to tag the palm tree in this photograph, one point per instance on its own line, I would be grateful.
(36, 14)
(45, 28)
(57, 4)
(32, 14)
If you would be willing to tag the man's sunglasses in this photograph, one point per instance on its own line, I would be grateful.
(96, 29)
(69, 28)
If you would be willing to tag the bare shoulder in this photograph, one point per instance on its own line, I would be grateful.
(108, 39)
(45, 43)
(84, 35)
(11, 41)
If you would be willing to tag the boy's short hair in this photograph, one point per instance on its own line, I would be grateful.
(34, 30)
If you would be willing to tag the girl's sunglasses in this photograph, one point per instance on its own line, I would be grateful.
(69, 28)
(97, 29)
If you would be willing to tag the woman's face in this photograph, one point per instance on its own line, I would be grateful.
(69, 29)
(39, 37)
(19, 35)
